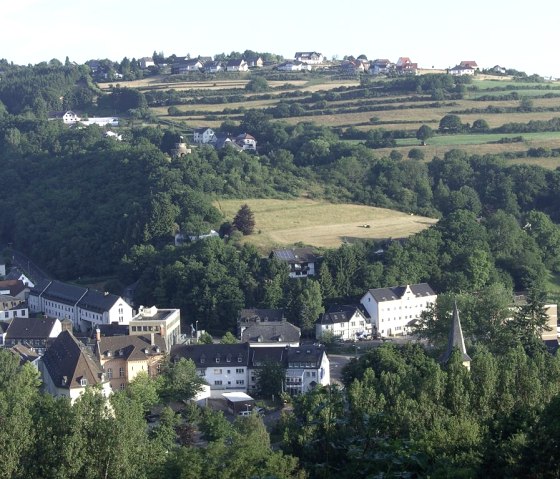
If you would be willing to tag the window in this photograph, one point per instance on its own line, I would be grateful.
(217, 383)
(239, 359)
(217, 371)
(228, 371)
(83, 382)
(240, 382)
(122, 386)
(240, 371)
(110, 373)
(121, 372)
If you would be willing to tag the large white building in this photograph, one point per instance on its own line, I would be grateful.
(344, 322)
(85, 307)
(392, 310)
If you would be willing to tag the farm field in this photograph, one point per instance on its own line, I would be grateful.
(321, 224)
(392, 112)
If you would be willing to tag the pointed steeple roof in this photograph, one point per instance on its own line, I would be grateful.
(456, 339)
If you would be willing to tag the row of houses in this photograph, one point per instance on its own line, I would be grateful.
(207, 136)
(70, 117)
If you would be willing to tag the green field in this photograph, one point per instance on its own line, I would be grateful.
(321, 224)
(465, 139)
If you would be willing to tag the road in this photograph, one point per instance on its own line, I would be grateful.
(27, 265)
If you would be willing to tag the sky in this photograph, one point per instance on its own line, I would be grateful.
(516, 34)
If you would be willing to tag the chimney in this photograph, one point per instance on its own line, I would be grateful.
(97, 334)
(152, 340)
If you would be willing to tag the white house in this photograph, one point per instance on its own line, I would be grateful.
(222, 366)
(293, 66)
(459, 70)
(246, 141)
(213, 67)
(344, 322)
(393, 309)
(67, 368)
(11, 307)
(85, 307)
(237, 65)
(379, 66)
(311, 58)
(146, 62)
(204, 136)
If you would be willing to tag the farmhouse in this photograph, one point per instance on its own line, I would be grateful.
(246, 141)
(406, 67)
(392, 310)
(204, 135)
(213, 67)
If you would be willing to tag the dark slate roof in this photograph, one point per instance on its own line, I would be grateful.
(296, 255)
(206, 355)
(30, 328)
(258, 356)
(456, 339)
(235, 62)
(248, 315)
(64, 293)
(131, 348)
(339, 314)
(271, 332)
(40, 286)
(306, 355)
(4, 326)
(68, 362)
(111, 330)
(390, 294)
(97, 301)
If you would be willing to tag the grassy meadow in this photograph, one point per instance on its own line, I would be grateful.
(321, 224)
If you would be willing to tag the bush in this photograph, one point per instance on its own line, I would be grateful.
(416, 154)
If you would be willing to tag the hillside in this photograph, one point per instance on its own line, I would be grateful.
(321, 224)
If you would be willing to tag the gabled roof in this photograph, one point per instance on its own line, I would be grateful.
(271, 332)
(296, 255)
(131, 348)
(64, 292)
(207, 355)
(306, 356)
(396, 292)
(339, 314)
(251, 315)
(468, 64)
(244, 136)
(68, 362)
(456, 339)
(236, 62)
(97, 301)
(30, 328)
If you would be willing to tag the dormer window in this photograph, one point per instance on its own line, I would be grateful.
(218, 358)
(202, 359)
(240, 359)
(83, 382)
(228, 358)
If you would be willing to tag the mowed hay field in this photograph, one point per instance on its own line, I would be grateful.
(321, 224)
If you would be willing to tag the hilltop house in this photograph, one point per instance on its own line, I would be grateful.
(213, 67)
(301, 261)
(254, 62)
(246, 141)
(293, 66)
(469, 64)
(406, 67)
(237, 65)
(311, 58)
(67, 368)
(204, 136)
(392, 310)
(85, 307)
(460, 70)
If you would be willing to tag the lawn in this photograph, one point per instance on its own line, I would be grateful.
(477, 139)
(321, 224)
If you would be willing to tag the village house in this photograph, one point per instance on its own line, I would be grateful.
(302, 262)
(15, 288)
(469, 64)
(34, 333)
(380, 66)
(146, 62)
(405, 66)
(459, 70)
(393, 310)
(345, 322)
(267, 327)
(246, 141)
(124, 357)
(67, 368)
(204, 135)
(11, 307)
(310, 58)
(254, 62)
(293, 66)
(213, 67)
(237, 65)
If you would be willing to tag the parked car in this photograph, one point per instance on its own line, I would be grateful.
(244, 413)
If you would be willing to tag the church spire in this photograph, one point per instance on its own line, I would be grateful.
(456, 340)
